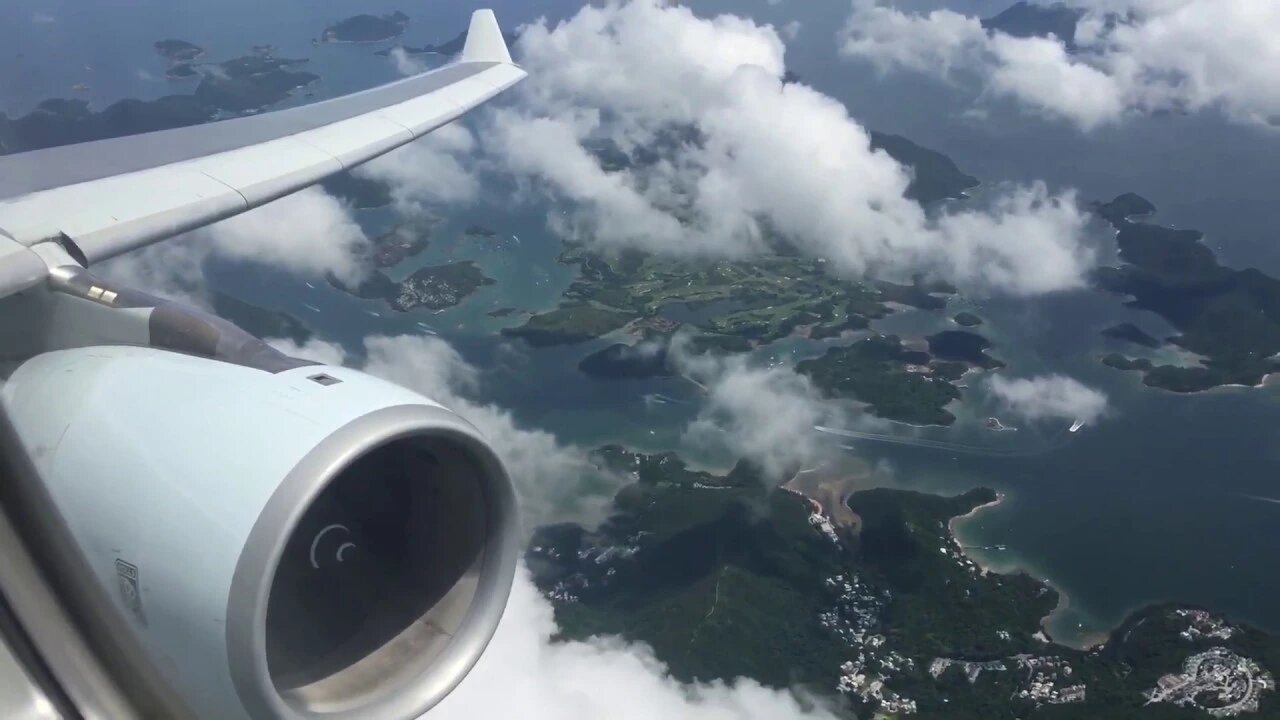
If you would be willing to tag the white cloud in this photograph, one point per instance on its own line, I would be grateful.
(745, 153)
(524, 674)
(309, 233)
(1048, 396)
(428, 171)
(555, 481)
(405, 63)
(889, 38)
(1130, 55)
(791, 30)
(766, 414)
(42, 19)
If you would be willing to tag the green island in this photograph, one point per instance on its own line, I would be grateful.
(1229, 317)
(366, 28)
(645, 359)
(934, 176)
(178, 51)
(881, 614)
(405, 240)
(360, 192)
(736, 305)
(434, 287)
(569, 323)
(1024, 19)
(259, 321)
(962, 346)
(252, 82)
(247, 83)
(479, 232)
(899, 384)
(967, 319)
(450, 47)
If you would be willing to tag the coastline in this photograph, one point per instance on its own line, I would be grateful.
(1086, 640)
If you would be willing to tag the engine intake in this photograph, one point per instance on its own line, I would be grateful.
(310, 543)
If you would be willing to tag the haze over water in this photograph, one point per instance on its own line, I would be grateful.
(1150, 503)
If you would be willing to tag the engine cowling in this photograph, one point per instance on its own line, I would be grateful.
(306, 543)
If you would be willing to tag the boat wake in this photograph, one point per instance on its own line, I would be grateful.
(1054, 442)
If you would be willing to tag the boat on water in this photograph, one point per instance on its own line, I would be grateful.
(516, 238)
(313, 287)
(312, 308)
(1075, 426)
(373, 313)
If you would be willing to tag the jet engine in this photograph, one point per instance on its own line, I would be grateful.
(301, 541)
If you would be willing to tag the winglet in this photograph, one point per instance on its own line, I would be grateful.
(484, 40)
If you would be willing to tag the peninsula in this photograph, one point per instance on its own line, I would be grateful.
(1231, 318)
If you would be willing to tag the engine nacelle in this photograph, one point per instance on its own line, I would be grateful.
(311, 542)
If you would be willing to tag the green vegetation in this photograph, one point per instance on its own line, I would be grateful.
(1120, 362)
(967, 319)
(252, 82)
(568, 324)
(724, 577)
(735, 305)
(1231, 317)
(1123, 207)
(361, 192)
(963, 346)
(61, 122)
(259, 321)
(874, 370)
(934, 176)
(434, 287)
(366, 28)
(450, 47)
(402, 242)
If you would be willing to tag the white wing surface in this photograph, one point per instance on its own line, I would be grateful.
(100, 199)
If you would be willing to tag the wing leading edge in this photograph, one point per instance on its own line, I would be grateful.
(103, 198)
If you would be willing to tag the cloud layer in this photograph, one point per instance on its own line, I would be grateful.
(524, 674)
(676, 134)
(765, 414)
(309, 233)
(1129, 55)
(1048, 396)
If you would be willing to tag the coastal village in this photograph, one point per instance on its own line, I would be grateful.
(881, 667)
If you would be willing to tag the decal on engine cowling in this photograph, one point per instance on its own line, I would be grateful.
(130, 592)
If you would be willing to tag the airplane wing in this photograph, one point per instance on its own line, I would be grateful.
(99, 199)
(316, 542)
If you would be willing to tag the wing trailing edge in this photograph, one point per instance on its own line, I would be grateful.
(103, 198)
